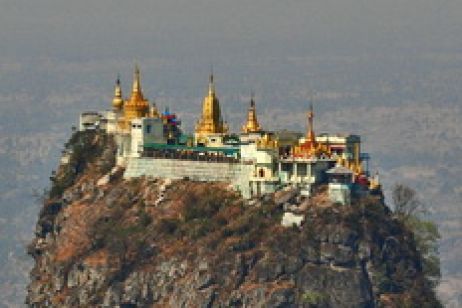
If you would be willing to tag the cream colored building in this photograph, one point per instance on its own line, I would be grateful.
(340, 183)
(90, 120)
(143, 131)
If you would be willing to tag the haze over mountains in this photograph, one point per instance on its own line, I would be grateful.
(390, 71)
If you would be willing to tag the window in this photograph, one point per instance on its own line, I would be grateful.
(148, 129)
(261, 173)
(286, 167)
(301, 169)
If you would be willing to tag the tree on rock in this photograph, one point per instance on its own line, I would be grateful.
(412, 213)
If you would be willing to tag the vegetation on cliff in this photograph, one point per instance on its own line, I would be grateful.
(83, 148)
(411, 212)
(152, 242)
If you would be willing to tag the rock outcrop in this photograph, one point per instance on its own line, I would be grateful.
(152, 243)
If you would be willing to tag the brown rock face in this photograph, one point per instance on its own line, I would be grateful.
(152, 243)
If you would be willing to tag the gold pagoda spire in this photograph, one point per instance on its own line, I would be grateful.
(117, 101)
(136, 88)
(211, 85)
(154, 112)
(310, 136)
(211, 121)
(310, 148)
(252, 125)
(136, 106)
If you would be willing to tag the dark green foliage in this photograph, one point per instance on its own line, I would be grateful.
(387, 280)
(314, 298)
(205, 205)
(144, 218)
(60, 184)
(168, 225)
(426, 236)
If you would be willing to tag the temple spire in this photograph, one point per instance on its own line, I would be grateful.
(211, 121)
(118, 89)
(117, 101)
(136, 106)
(211, 84)
(310, 135)
(252, 125)
(136, 81)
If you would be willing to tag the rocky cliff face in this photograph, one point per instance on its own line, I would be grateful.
(103, 241)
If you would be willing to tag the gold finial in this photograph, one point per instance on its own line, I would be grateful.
(211, 84)
(136, 80)
(252, 125)
(310, 136)
(117, 101)
(118, 89)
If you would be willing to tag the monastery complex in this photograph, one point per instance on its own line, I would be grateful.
(255, 161)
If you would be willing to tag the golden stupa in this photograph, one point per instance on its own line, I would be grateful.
(252, 125)
(211, 121)
(136, 106)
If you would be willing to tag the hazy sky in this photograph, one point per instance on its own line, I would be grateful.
(56, 51)
(200, 29)
(68, 46)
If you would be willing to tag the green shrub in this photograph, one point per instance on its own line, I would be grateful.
(145, 219)
(314, 298)
(205, 205)
(198, 227)
(85, 147)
